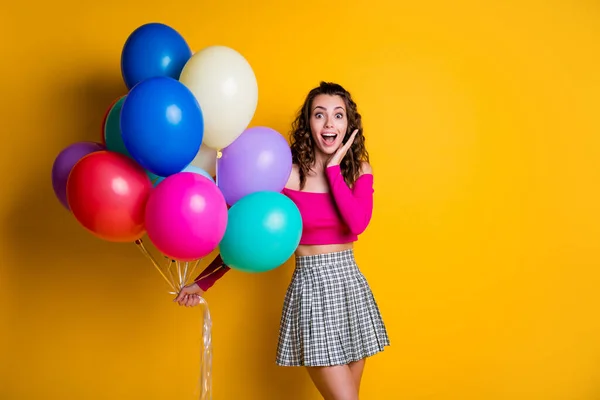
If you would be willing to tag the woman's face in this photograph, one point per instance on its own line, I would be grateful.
(328, 123)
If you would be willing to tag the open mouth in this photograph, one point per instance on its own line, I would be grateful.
(329, 138)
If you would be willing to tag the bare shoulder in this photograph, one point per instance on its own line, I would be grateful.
(365, 168)
(294, 178)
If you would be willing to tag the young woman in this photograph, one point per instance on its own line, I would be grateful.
(330, 321)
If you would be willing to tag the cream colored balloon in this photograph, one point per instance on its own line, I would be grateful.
(224, 84)
(206, 159)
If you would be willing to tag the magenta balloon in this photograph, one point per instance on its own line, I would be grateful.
(260, 159)
(186, 216)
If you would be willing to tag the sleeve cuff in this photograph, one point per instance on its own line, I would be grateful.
(333, 171)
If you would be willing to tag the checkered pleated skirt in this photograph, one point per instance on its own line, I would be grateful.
(329, 315)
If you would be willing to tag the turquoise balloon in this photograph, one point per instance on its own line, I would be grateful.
(112, 129)
(189, 168)
(153, 177)
(263, 232)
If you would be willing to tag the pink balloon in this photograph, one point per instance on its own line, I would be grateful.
(186, 216)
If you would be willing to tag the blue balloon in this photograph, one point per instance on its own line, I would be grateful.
(263, 232)
(189, 168)
(162, 125)
(153, 50)
(112, 134)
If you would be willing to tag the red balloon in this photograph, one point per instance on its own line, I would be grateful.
(107, 193)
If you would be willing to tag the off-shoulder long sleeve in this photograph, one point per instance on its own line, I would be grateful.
(356, 204)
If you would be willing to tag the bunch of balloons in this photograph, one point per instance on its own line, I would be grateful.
(178, 161)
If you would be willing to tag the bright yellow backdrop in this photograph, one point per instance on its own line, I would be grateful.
(482, 122)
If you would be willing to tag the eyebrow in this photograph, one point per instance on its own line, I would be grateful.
(323, 108)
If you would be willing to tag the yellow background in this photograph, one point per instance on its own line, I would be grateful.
(482, 123)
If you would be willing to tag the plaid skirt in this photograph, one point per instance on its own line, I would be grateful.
(329, 315)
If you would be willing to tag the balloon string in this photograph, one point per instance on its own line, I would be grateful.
(219, 155)
(171, 262)
(142, 248)
(179, 273)
(206, 355)
(185, 272)
(192, 272)
(205, 381)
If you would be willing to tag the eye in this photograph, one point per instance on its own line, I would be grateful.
(318, 115)
(339, 115)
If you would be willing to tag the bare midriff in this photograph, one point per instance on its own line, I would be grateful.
(311, 250)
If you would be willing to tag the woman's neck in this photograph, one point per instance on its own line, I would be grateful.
(320, 163)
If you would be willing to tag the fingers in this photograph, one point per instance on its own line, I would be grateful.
(349, 142)
(180, 296)
(190, 300)
(187, 290)
(194, 301)
(342, 150)
(184, 292)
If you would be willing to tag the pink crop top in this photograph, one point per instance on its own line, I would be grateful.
(338, 216)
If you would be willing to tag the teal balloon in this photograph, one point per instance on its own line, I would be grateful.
(153, 177)
(189, 168)
(112, 129)
(263, 232)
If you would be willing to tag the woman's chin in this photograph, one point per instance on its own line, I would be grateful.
(327, 150)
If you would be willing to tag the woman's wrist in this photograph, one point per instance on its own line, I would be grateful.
(205, 282)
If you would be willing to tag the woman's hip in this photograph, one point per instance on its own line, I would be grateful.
(333, 273)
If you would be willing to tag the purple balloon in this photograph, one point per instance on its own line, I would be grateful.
(63, 164)
(260, 159)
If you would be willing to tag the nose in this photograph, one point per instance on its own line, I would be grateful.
(329, 123)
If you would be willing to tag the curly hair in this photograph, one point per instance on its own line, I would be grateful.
(301, 141)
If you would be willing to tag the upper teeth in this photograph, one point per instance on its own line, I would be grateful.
(329, 134)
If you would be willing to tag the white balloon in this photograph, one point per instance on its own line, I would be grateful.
(206, 159)
(225, 86)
